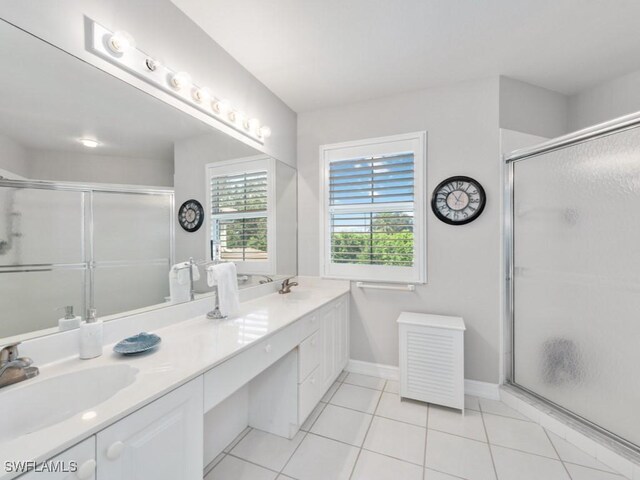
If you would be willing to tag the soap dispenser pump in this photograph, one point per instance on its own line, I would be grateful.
(91, 336)
(69, 321)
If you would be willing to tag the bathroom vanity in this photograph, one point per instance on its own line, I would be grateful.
(282, 352)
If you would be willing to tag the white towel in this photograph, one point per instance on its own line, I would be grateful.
(226, 277)
(179, 284)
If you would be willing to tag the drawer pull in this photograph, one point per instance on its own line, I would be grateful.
(86, 470)
(115, 450)
(267, 348)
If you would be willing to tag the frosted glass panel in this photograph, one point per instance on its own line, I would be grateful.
(577, 279)
(131, 227)
(40, 226)
(29, 300)
(124, 288)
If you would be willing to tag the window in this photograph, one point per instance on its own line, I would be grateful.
(240, 202)
(373, 217)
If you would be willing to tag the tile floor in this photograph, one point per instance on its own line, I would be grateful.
(362, 431)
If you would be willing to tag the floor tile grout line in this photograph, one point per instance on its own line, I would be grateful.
(241, 436)
(486, 434)
(292, 454)
(373, 414)
(252, 462)
(317, 418)
(505, 416)
(424, 457)
(207, 470)
(557, 453)
(353, 469)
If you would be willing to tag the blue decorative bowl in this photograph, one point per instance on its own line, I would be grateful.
(142, 342)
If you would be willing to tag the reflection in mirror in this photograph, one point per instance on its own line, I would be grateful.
(92, 172)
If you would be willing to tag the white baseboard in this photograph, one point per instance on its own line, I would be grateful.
(379, 370)
(482, 389)
(389, 372)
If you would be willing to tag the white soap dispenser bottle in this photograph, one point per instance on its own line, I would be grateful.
(69, 321)
(91, 336)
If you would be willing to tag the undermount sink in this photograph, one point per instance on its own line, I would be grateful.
(31, 407)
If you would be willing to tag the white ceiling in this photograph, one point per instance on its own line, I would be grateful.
(319, 53)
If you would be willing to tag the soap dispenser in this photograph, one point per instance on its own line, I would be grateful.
(91, 336)
(69, 321)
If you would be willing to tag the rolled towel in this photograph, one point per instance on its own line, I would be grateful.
(226, 277)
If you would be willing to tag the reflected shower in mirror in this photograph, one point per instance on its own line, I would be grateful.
(92, 173)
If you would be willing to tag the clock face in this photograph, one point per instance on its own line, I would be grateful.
(191, 215)
(458, 200)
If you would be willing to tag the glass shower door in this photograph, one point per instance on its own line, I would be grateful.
(576, 279)
(132, 239)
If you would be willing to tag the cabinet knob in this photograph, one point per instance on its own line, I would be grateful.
(115, 450)
(86, 470)
(267, 348)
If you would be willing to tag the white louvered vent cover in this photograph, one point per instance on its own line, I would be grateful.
(432, 359)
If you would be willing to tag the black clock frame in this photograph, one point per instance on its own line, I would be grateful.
(199, 222)
(458, 178)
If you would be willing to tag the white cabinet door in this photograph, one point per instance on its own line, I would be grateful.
(327, 333)
(162, 441)
(77, 463)
(341, 326)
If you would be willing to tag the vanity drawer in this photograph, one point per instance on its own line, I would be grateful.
(309, 324)
(224, 379)
(308, 395)
(308, 356)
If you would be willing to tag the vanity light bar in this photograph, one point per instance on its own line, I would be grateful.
(120, 49)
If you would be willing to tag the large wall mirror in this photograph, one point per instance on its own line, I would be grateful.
(92, 174)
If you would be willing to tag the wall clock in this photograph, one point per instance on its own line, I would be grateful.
(458, 200)
(191, 215)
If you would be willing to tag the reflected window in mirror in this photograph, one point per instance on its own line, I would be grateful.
(242, 217)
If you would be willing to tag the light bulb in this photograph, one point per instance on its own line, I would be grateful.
(201, 95)
(120, 42)
(233, 116)
(152, 64)
(89, 142)
(265, 132)
(180, 80)
(221, 106)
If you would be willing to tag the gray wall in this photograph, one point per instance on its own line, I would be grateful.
(13, 157)
(191, 156)
(161, 29)
(606, 101)
(83, 167)
(463, 262)
(532, 109)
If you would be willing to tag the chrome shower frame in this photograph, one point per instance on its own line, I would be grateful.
(617, 125)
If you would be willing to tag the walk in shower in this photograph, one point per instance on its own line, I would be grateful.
(107, 247)
(573, 275)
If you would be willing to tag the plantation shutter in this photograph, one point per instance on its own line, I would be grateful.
(239, 215)
(371, 208)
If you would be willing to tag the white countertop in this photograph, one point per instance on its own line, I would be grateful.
(188, 349)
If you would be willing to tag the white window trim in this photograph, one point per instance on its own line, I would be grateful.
(414, 142)
(247, 164)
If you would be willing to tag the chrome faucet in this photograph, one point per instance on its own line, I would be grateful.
(286, 286)
(14, 369)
